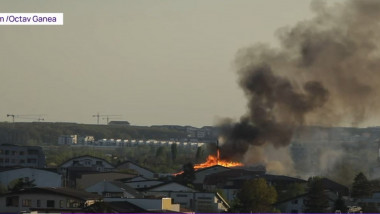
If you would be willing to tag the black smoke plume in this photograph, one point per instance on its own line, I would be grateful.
(325, 72)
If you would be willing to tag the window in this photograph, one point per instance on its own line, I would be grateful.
(21, 153)
(181, 195)
(72, 203)
(11, 201)
(38, 203)
(295, 201)
(6, 160)
(108, 194)
(33, 152)
(207, 198)
(99, 163)
(50, 203)
(1, 160)
(61, 203)
(26, 203)
(13, 152)
(32, 161)
(7, 152)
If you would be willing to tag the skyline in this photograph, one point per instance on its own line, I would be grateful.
(164, 62)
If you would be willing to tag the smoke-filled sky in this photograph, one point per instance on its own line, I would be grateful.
(153, 62)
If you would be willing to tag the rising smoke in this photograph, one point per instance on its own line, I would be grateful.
(325, 72)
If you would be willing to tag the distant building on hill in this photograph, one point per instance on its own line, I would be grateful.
(67, 139)
(26, 156)
(119, 123)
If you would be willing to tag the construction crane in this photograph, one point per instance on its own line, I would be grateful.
(37, 117)
(105, 116)
(108, 117)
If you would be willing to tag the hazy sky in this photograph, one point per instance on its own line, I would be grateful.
(153, 62)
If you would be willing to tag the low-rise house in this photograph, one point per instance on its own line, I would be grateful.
(75, 167)
(95, 163)
(114, 207)
(201, 174)
(161, 205)
(139, 182)
(147, 173)
(44, 199)
(373, 201)
(88, 179)
(135, 178)
(297, 204)
(162, 189)
(189, 198)
(292, 205)
(113, 189)
(40, 177)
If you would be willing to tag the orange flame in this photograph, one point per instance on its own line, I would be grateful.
(213, 160)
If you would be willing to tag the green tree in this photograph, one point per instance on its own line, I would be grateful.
(188, 175)
(19, 184)
(198, 154)
(160, 151)
(361, 187)
(256, 196)
(317, 200)
(174, 151)
(340, 205)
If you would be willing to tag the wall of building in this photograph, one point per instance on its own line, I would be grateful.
(42, 178)
(60, 202)
(27, 156)
(143, 184)
(141, 171)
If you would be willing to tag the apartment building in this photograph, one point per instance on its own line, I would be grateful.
(26, 156)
